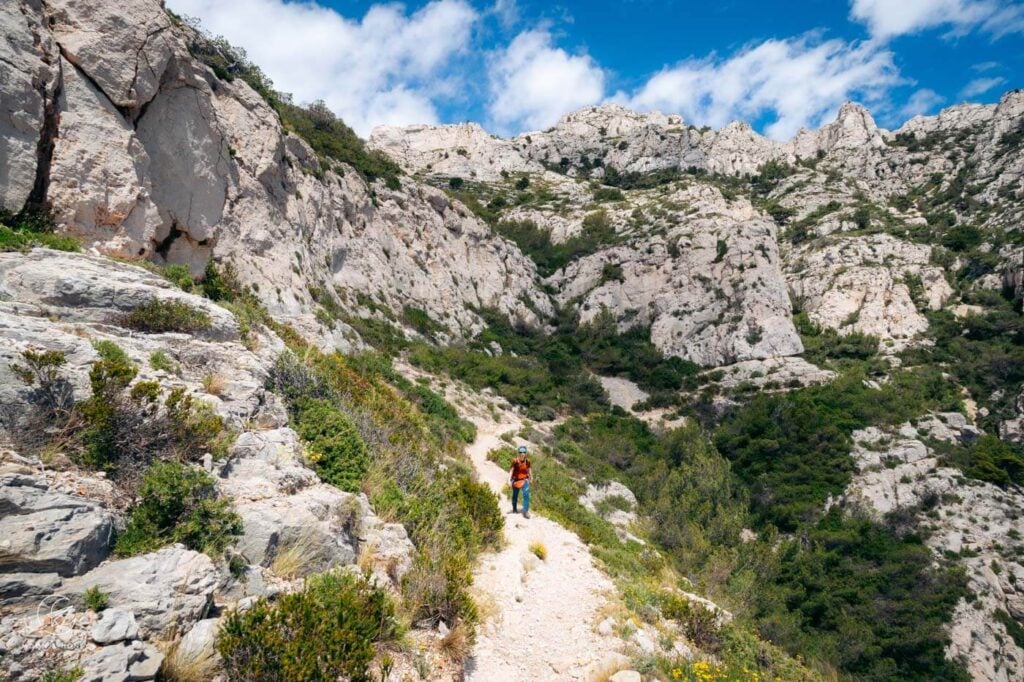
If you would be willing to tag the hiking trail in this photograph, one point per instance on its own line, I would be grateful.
(538, 618)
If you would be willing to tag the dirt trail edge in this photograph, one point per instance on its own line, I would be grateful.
(538, 617)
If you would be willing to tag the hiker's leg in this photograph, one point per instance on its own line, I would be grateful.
(526, 497)
(515, 497)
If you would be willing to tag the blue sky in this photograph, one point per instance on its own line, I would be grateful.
(515, 65)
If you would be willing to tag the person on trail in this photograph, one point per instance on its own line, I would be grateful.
(520, 475)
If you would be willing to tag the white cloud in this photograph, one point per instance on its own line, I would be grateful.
(800, 81)
(923, 101)
(533, 83)
(387, 67)
(980, 86)
(507, 12)
(889, 18)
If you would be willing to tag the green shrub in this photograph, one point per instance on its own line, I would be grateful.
(181, 276)
(64, 675)
(333, 444)
(326, 632)
(161, 361)
(96, 599)
(22, 231)
(989, 459)
(420, 321)
(109, 377)
(1013, 627)
(597, 234)
(828, 348)
(122, 430)
(475, 501)
(178, 503)
(164, 315)
(42, 371)
(612, 272)
(603, 194)
(335, 141)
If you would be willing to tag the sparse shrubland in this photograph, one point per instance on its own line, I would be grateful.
(450, 517)
(548, 373)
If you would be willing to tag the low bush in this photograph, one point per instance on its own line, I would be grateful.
(64, 675)
(122, 430)
(178, 503)
(333, 444)
(597, 233)
(851, 592)
(161, 361)
(96, 599)
(166, 315)
(327, 631)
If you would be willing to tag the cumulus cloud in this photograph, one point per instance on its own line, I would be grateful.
(979, 86)
(384, 68)
(800, 82)
(533, 83)
(923, 101)
(889, 18)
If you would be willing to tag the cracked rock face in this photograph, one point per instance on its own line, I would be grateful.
(122, 46)
(27, 81)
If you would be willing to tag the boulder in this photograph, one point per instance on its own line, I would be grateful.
(114, 625)
(285, 507)
(75, 287)
(200, 643)
(166, 590)
(125, 662)
(50, 532)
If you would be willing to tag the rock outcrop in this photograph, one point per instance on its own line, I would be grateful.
(977, 521)
(863, 284)
(49, 532)
(143, 152)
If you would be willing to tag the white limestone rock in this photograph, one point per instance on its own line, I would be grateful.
(285, 507)
(46, 531)
(167, 589)
(859, 284)
(114, 625)
(123, 46)
(27, 82)
(99, 174)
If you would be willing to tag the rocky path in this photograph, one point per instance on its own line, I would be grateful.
(538, 616)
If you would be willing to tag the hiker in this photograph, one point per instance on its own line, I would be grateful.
(520, 475)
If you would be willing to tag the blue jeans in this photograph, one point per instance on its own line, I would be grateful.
(526, 496)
